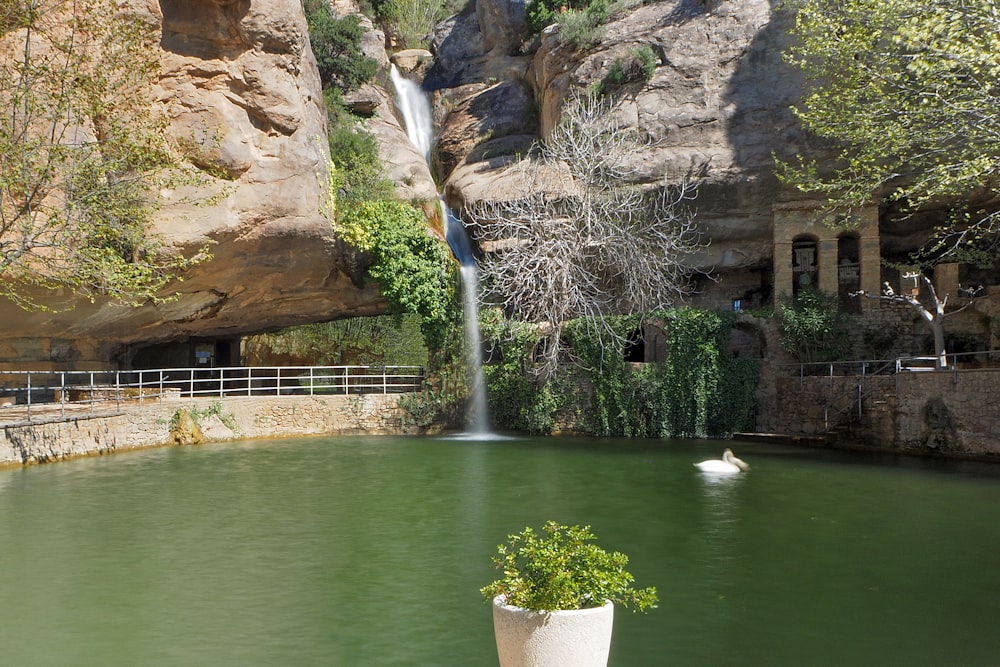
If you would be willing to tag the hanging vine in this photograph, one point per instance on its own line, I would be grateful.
(698, 390)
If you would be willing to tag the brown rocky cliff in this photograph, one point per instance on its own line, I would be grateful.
(240, 84)
(719, 98)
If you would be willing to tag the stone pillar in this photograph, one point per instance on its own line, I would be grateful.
(946, 280)
(783, 270)
(827, 263)
(870, 251)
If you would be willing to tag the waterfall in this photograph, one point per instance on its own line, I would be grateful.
(416, 111)
(415, 108)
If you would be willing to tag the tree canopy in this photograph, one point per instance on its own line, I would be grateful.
(910, 90)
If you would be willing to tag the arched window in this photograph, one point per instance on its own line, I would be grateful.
(805, 267)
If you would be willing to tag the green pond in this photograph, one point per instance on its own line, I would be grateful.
(364, 551)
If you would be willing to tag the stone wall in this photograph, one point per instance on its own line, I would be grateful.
(136, 426)
(952, 413)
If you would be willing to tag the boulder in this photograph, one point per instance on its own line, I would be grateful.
(482, 116)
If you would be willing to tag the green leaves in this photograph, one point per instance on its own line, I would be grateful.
(82, 154)
(413, 269)
(910, 89)
(336, 43)
(811, 327)
(564, 570)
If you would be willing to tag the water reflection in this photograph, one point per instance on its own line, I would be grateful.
(371, 551)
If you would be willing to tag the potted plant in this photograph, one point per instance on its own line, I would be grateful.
(554, 605)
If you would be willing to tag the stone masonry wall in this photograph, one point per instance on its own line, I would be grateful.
(952, 413)
(137, 426)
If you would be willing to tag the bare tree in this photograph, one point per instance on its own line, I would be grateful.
(579, 238)
(934, 314)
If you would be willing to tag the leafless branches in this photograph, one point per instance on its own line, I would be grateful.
(577, 238)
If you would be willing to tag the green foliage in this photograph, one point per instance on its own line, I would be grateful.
(909, 89)
(638, 65)
(198, 414)
(811, 327)
(370, 341)
(336, 43)
(413, 269)
(354, 155)
(81, 151)
(582, 29)
(564, 570)
(517, 399)
(412, 21)
(699, 390)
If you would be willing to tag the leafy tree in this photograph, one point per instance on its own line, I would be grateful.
(910, 89)
(336, 43)
(354, 154)
(81, 152)
(579, 240)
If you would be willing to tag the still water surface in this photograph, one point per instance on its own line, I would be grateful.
(370, 552)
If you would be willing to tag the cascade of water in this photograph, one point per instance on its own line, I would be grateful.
(416, 111)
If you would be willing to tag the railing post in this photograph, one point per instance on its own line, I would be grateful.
(29, 396)
(277, 381)
(62, 394)
(160, 392)
(118, 391)
(191, 374)
(93, 389)
(385, 388)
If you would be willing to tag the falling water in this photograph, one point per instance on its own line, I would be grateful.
(416, 112)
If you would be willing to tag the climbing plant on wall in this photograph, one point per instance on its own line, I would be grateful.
(517, 399)
(698, 390)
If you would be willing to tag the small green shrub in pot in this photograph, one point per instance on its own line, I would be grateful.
(562, 570)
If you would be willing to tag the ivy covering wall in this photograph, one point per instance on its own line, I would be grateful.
(698, 390)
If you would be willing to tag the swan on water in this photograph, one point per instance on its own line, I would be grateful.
(728, 465)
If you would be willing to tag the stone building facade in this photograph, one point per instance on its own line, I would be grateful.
(817, 253)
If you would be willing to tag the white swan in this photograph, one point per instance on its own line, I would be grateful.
(727, 466)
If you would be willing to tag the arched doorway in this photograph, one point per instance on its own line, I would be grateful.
(805, 267)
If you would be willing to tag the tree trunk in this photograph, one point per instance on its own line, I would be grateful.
(937, 326)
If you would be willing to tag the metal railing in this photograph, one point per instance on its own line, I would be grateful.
(61, 394)
(956, 361)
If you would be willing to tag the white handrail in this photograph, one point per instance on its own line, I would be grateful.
(107, 389)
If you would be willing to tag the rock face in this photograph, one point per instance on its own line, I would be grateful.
(718, 100)
(240, 82)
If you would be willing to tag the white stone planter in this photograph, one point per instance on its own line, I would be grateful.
(577, 638)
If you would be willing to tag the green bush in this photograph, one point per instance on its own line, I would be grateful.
(811, 327)
(638, 65)
(565, 570)
(336, 43)
(414, 270)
